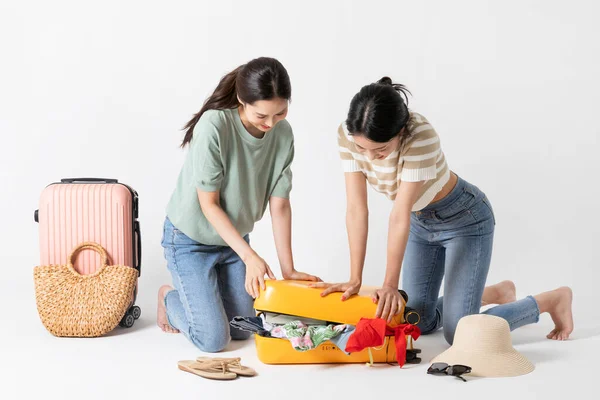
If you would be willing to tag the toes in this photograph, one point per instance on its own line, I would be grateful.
(564, 336)
(558, 334)
(169, 329)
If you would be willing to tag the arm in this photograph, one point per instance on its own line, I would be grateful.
(399, 228)
(211, 208)
(281, 217)
(388, 298)
(256, 267)
(357, 225)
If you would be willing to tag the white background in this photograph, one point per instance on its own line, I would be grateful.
(104, 88)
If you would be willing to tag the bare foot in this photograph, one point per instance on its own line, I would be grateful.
(161, 317)
(558, 303)
(500, 293)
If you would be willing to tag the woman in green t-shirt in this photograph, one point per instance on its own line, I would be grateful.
(239, 161)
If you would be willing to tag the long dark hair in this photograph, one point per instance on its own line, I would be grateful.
(378, 111)
(263, 78)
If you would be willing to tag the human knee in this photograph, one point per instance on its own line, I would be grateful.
(210, 342)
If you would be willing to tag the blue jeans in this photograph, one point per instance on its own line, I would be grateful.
(453, 237)
(209, 290)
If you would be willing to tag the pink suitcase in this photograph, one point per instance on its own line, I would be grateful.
(91, 209)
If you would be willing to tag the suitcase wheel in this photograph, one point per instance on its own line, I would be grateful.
(127, 321)
(135, 311)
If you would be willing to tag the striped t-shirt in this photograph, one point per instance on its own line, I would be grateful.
(420, 158)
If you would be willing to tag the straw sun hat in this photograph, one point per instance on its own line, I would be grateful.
(483, 343)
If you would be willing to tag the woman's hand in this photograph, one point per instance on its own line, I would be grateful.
(349, 288)
(256, 268)
(301, 276)
(389, 302)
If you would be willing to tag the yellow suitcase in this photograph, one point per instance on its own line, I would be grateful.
(295, 298)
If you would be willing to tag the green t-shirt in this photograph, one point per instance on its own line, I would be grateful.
(246, 171)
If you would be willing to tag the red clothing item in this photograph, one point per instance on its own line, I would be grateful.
(400, 333)
(372, 333)
(368, 333)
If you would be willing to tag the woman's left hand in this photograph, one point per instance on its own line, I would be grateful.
(301, 276)
(389, 302)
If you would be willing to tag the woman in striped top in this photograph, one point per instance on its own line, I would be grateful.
(439, 224)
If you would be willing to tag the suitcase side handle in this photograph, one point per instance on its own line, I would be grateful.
(73, 180)
(138, 246)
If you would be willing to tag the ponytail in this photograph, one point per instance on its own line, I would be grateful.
(224, 97)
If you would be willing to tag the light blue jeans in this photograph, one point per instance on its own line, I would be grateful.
(209, 290)
(453, 238)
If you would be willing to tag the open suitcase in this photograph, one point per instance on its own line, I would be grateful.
(97, 210)
(295, 298)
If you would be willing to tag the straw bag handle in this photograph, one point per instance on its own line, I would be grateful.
(91, 246)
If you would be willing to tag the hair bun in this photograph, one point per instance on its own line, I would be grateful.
(386, 80)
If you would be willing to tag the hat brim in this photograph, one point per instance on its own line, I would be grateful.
(507, 364)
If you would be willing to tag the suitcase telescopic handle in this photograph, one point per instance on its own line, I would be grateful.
(73, 180)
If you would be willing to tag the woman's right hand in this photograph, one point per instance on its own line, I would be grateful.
(349, 288)
(256, 268)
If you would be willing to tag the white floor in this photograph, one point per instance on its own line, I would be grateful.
(141, 362)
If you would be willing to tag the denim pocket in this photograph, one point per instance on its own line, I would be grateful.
(457, 221)
(458, 210)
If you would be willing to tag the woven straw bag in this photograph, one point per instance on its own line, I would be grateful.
(70, 304)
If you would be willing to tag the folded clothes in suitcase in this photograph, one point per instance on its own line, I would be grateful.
(298, 301)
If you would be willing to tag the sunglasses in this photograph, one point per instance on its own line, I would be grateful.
(450, 370)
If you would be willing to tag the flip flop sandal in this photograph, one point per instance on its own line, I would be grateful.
(210, 370)
(233, 365)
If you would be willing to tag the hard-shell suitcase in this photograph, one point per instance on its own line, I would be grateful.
(295, 298)
(98, 210)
